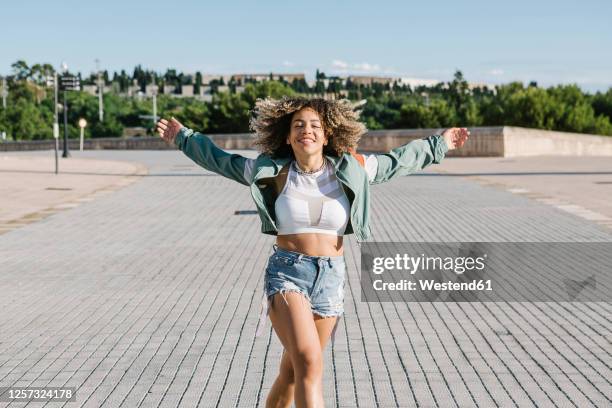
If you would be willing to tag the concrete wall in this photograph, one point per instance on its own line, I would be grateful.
(520, 142)
(231, 141)
(484, 141)
(501, 141)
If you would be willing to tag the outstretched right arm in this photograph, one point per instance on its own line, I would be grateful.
(203, 151)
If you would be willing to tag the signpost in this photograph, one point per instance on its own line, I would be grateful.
(68, 83)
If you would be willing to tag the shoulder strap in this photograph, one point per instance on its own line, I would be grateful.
(359, 157)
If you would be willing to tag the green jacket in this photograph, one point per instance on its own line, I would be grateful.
(259, 173)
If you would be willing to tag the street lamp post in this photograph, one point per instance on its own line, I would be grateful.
(52, 80)
(154, 91)
(66, 153)
(82, 124)
(100, 91)
(56, 122)
(4, 93)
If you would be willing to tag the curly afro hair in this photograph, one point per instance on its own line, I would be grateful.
(271, 120)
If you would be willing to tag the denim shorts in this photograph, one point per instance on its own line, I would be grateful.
(321, 279)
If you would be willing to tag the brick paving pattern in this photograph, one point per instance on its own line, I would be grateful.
(149, 296)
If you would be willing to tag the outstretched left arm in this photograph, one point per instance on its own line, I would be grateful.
(413, 156)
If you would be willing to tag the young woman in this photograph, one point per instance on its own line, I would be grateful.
(311, 188)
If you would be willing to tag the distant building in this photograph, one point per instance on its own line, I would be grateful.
(169, 89)
(151, 89)
(93, 89)
(369, 80)
(187, 90)
(265, 77)
(206, 79)
(473, 85)
(90, 89)
(238, 82)
(133, 90)
(332, 95)
(414, 82)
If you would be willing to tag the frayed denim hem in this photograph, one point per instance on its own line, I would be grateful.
(267, 299)
(265, 310)
(282, 291)
(332, 314)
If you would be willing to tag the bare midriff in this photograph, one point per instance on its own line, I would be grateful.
(311, 244)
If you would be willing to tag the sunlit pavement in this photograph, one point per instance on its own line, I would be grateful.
(149, 296)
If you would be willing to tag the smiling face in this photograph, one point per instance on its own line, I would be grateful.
(306, 135)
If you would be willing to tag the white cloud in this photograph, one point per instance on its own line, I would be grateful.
(496, 72)
(365, 67)
(338, 64)
(288, 64)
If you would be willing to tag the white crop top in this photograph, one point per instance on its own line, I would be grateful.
(312, 203)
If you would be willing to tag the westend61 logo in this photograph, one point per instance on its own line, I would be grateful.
(486, 271)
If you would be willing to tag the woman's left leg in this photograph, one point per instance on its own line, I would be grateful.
(281, 393)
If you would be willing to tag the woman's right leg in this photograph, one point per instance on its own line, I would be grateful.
(282, 391)
(294, 325)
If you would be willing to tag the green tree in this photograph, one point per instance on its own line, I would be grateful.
(460, 97)
(602, 103)
(229, 113)
(40, 73)
(21, 70)
(272, 89)
(198, 83)
(438, 113)
(27, 121)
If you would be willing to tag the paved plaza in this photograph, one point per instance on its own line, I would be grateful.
(31, 190)
(149, 295)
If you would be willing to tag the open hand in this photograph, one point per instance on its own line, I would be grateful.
(168, 129)
(455, 137)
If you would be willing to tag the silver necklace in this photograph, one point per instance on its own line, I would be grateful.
(308, 173)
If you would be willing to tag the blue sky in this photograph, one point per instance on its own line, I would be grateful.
(493, 42)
